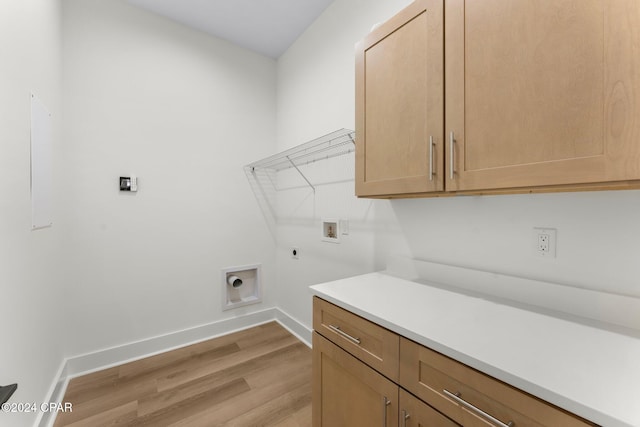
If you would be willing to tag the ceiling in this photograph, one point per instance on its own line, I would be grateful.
(268, 27)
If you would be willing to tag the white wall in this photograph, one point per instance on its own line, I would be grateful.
(184, 112)
(316, 75)
(316, 87)
(597, 239)
(31, 272)
(597, 246)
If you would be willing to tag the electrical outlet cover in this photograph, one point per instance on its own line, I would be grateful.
(544, 241)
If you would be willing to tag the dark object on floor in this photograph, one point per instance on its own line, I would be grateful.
(6, 392)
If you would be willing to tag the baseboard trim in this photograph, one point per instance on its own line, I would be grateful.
(56, 394)
(103, 359)
(293, 325)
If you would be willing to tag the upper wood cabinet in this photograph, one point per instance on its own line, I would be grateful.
(541, 93)
(539, 96)
(399, 103)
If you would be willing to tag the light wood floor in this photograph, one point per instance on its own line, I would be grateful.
(257, 377)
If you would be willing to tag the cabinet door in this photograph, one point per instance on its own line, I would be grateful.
(416, 413)
(541, 93)
(347, 393)
(399, 104)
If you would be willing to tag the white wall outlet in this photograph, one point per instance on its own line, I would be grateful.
(545, 241)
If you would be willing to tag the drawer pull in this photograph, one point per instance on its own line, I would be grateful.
(405, 417)
(385, 402)
(344, 334)
(452, 141)
(431, 173)
(456, 397)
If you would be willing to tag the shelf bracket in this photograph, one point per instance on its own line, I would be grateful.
(301, 174)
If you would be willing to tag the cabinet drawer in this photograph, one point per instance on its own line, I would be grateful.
(470, 397)
(374, 345)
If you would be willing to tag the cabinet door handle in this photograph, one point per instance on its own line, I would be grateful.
(405, 417)
(385, 402)
(344, 334)
(431, 173)
(456, 397)
(451, 154)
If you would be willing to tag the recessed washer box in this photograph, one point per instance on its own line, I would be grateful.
(241, 286)
(331, 230)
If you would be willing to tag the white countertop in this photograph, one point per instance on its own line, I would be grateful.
(592, 372)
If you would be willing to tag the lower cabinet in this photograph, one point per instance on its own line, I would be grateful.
(471, 397)
(415, 413)
(364, 377)
(348, 393)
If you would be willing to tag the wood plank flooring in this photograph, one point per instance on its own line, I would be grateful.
(256, 377)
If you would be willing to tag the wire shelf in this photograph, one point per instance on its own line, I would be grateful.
(263, 174)
(331, 145)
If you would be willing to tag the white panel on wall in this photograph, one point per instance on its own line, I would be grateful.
(41, 164)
